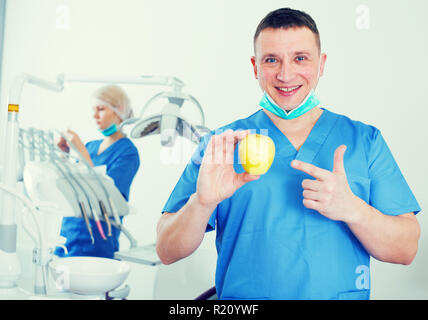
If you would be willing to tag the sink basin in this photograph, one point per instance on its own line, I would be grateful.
(88, 275)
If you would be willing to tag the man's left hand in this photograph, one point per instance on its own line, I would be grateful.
(330, 193)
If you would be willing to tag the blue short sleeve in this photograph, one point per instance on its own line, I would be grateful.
(389, 191)
(122, 161)
(123, 171)
(186, 185)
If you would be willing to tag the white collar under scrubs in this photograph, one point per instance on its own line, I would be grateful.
(269, 245)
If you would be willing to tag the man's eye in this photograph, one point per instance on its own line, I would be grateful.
(300, 58)
(270, 60)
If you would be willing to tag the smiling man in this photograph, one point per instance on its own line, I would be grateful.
(298, 55)
(333, 197)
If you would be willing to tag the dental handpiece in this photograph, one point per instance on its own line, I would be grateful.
(69, 177)
(91, 170)
(85, 217)
(98, 223)
(81, 205)
(94, 213)
(106, 217)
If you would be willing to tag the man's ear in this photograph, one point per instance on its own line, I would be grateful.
(253, 62)
(322, 63)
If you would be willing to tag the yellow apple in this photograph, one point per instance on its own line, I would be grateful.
(256, 153)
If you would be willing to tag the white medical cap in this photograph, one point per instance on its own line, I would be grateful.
(115, 98)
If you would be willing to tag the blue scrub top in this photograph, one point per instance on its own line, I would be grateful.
(122, 161)
(272, 247)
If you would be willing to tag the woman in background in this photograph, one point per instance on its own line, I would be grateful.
(118, 153)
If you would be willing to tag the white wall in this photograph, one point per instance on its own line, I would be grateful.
(375, 74)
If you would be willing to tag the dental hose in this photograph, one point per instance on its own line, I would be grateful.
(81, 204)
(95, 214)
(91, 170)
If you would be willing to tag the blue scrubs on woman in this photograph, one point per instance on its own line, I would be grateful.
(122, 161)
(272, 247)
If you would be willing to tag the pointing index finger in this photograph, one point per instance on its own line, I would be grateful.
(314, 171)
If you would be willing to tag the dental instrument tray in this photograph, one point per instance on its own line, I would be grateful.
(144, 255)
(46, 183)
(76, 188)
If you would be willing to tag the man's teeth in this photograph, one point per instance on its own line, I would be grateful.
(288, 89)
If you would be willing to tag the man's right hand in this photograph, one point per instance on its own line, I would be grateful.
(180, 233)
(217, 178)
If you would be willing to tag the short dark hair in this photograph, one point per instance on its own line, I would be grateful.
(288, 18)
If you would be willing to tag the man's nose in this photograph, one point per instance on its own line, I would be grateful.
(285, 72)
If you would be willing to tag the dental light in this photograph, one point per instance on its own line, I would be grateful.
(167, 122)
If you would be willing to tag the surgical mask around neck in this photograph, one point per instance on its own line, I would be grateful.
(307, 104)
(112, 129)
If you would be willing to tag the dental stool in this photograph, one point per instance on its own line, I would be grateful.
(188, 277)
(210, 294)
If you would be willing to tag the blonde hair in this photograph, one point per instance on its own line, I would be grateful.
(117, 99)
